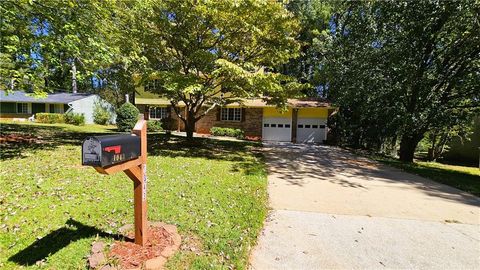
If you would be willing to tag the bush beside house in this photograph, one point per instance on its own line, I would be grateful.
(127, 116)
(229, 132)
(101, 115)
(77, 119)
(154, 126)
(50, 118)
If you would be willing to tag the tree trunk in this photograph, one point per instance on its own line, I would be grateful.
(74, 77)
(407, 146)
(190, 125)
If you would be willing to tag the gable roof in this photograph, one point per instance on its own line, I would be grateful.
(62, 98)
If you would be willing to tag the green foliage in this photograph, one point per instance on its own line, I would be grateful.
(50, 118)
(42, 41)
(127, 117)
(77, 119)
(211, 53)
(154, 126)
(230, 132)
(314, 36)
(399, 69)
(101, 115)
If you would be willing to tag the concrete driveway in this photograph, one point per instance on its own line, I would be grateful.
(331, 209)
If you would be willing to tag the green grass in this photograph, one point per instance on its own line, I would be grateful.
(461, 177)
(52, 208)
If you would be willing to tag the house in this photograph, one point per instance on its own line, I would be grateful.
(305, 121)
(18, 104)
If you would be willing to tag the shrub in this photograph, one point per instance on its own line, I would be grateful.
(154, 126)
(77, 119)
(229, 132)
(127, 116)
(49, 118)
(101, 115)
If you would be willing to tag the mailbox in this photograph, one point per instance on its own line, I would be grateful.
(103, 151)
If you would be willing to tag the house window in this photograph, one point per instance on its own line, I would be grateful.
(23, 108)
(231, 114)
(152, 85)
(157, 112)
(55, 108)
(58, 108)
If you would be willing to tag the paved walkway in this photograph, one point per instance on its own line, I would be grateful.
(331, 209)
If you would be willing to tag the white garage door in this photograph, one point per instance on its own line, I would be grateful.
(311, 130)
(277, 129)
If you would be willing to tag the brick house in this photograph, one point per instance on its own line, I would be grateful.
(305, 121)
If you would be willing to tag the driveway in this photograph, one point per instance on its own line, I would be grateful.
(331, 209)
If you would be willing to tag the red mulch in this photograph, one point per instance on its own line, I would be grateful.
(131, 255)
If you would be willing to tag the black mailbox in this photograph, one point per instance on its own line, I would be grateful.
(103, 151)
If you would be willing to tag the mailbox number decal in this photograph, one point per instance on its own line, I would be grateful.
(116, 149)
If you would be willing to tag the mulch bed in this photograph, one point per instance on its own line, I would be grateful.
(129, 255)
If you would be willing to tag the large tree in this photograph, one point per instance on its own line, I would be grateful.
(210, 53)
(402, 68)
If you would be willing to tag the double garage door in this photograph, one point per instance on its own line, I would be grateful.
(309, 130)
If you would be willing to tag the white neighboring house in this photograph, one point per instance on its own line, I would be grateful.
(20, 105)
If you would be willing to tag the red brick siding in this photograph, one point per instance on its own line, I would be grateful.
(251, 124)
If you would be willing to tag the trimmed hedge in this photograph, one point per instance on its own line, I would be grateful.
(49, 118)
(154, 126)
(77, 119)
(127, 117)
(229, 132)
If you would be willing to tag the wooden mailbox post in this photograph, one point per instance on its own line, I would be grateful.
(105, 154)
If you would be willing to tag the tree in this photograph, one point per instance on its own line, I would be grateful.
(56, 44)
(211, 53)
(399, 69)
(314, 17)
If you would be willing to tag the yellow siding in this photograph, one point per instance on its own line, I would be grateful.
(313, 112)
(273, 112)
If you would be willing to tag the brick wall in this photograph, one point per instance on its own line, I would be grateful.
(251, 124)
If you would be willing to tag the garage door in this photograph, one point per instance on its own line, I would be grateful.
(311, 130)
(277, 129)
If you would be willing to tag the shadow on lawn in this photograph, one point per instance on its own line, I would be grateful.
(27, 139)
(175, 146)
(58, 239)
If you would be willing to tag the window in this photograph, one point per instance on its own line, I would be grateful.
(280, 125)
(287, 125)
(57, 108)
(322, 126)
(54, 108)
(273, 125)
(307, 126)
(231, 114)
(157, 112)
(300, 126)
(266, 125)
(23, 108)
(314, 126)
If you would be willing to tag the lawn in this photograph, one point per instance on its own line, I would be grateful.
(461, 177)
(52, 208)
